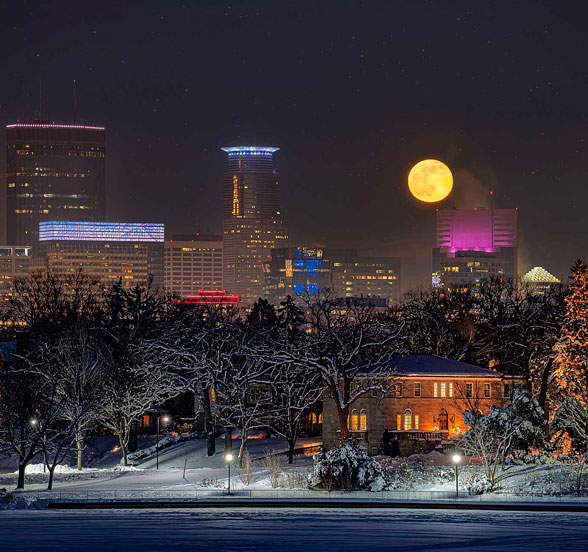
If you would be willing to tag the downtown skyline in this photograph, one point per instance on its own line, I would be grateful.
(350, 118)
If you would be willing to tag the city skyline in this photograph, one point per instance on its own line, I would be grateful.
(352, 110)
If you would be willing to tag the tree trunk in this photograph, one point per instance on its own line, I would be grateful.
(228, 440)
(123, 448)
(21, 475)
(544, 388)
(210, 440)
(79, 449)
(343, 414)
(242, 448)
(291, 445)
(51, 476)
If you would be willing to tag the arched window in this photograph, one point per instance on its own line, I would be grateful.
(313, 418)
(443, 420)
(321, 418)
(407, 419)
(354, 426)
(362, 420)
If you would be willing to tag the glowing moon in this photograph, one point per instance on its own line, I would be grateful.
(430, 181)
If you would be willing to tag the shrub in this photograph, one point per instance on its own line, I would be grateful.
(347, 466)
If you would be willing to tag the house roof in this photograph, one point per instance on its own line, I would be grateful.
(429, 365)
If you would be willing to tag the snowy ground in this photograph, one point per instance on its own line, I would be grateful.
(292, 529)
(201, 471)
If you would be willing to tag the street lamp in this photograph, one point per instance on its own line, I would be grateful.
(229, 459)
(456, 460)
(33, 422)
(165, 420)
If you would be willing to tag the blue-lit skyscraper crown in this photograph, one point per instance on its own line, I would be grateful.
(101, 231)
(250, 151)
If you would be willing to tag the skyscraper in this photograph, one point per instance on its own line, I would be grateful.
(474, 245)
(253, 224)
(193, 263)
(53, 172)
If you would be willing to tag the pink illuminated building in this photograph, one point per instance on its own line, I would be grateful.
(473, 246)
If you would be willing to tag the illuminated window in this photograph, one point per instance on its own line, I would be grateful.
(443, 390)
(407, 420)
(416, 421)
(362, 420)
(451, 389)
(487, 390)
(435, 392)
(398, 422)
(354, 420)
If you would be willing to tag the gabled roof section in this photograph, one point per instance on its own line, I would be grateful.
(428, 365)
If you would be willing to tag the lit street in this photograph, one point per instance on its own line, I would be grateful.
(291, 530)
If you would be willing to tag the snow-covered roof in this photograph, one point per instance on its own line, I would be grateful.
(539, 275)
(431, 365)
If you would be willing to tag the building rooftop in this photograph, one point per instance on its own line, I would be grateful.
(101, 231)
(250, 151)
(539, 275)
(432, 365)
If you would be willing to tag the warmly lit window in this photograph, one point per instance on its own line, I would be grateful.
(417, 389)
(398, 422)
(146, 420)
(416, 421)
(407, 419)
(212, 395)
(451, 389)
(469, 390)
(362, 420)
(435, 392)
(354, 420)
(487, 390)
(320, 419)
(443, 390)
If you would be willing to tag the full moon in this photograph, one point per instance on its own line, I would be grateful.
(430, 181)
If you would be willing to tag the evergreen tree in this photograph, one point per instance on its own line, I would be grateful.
(571, 363)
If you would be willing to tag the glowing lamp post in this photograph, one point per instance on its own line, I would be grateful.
(229, 459)
(456, 460)
(165, 420)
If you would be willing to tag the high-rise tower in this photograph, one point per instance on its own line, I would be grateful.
(474, 245)
(53, 172)
(253, 224)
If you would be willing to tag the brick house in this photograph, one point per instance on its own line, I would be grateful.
(425, 405)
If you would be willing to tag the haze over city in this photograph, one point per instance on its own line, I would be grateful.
(352, 93)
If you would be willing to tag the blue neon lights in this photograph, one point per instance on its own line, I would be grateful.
(250, 151)
(299, 289)
(101, 231)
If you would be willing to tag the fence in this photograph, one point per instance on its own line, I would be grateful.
(291, 495)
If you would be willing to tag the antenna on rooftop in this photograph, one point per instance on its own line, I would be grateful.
(40, 110)
(75, 102)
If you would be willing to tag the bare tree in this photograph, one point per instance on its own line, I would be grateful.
(347, 347)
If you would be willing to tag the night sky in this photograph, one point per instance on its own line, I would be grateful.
(353, 93)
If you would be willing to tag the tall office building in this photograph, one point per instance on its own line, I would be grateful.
(193, 263)
(14, 263)
(107, 251)
(53, 172)
(253, 224)
(473, 246)
(298, 271)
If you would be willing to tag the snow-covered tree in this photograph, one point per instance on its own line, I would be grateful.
(504, 434)
(135, 378)
(571, 363)
(347, 347)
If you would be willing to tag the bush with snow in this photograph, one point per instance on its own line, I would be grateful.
(347, 466)
(479, 484)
